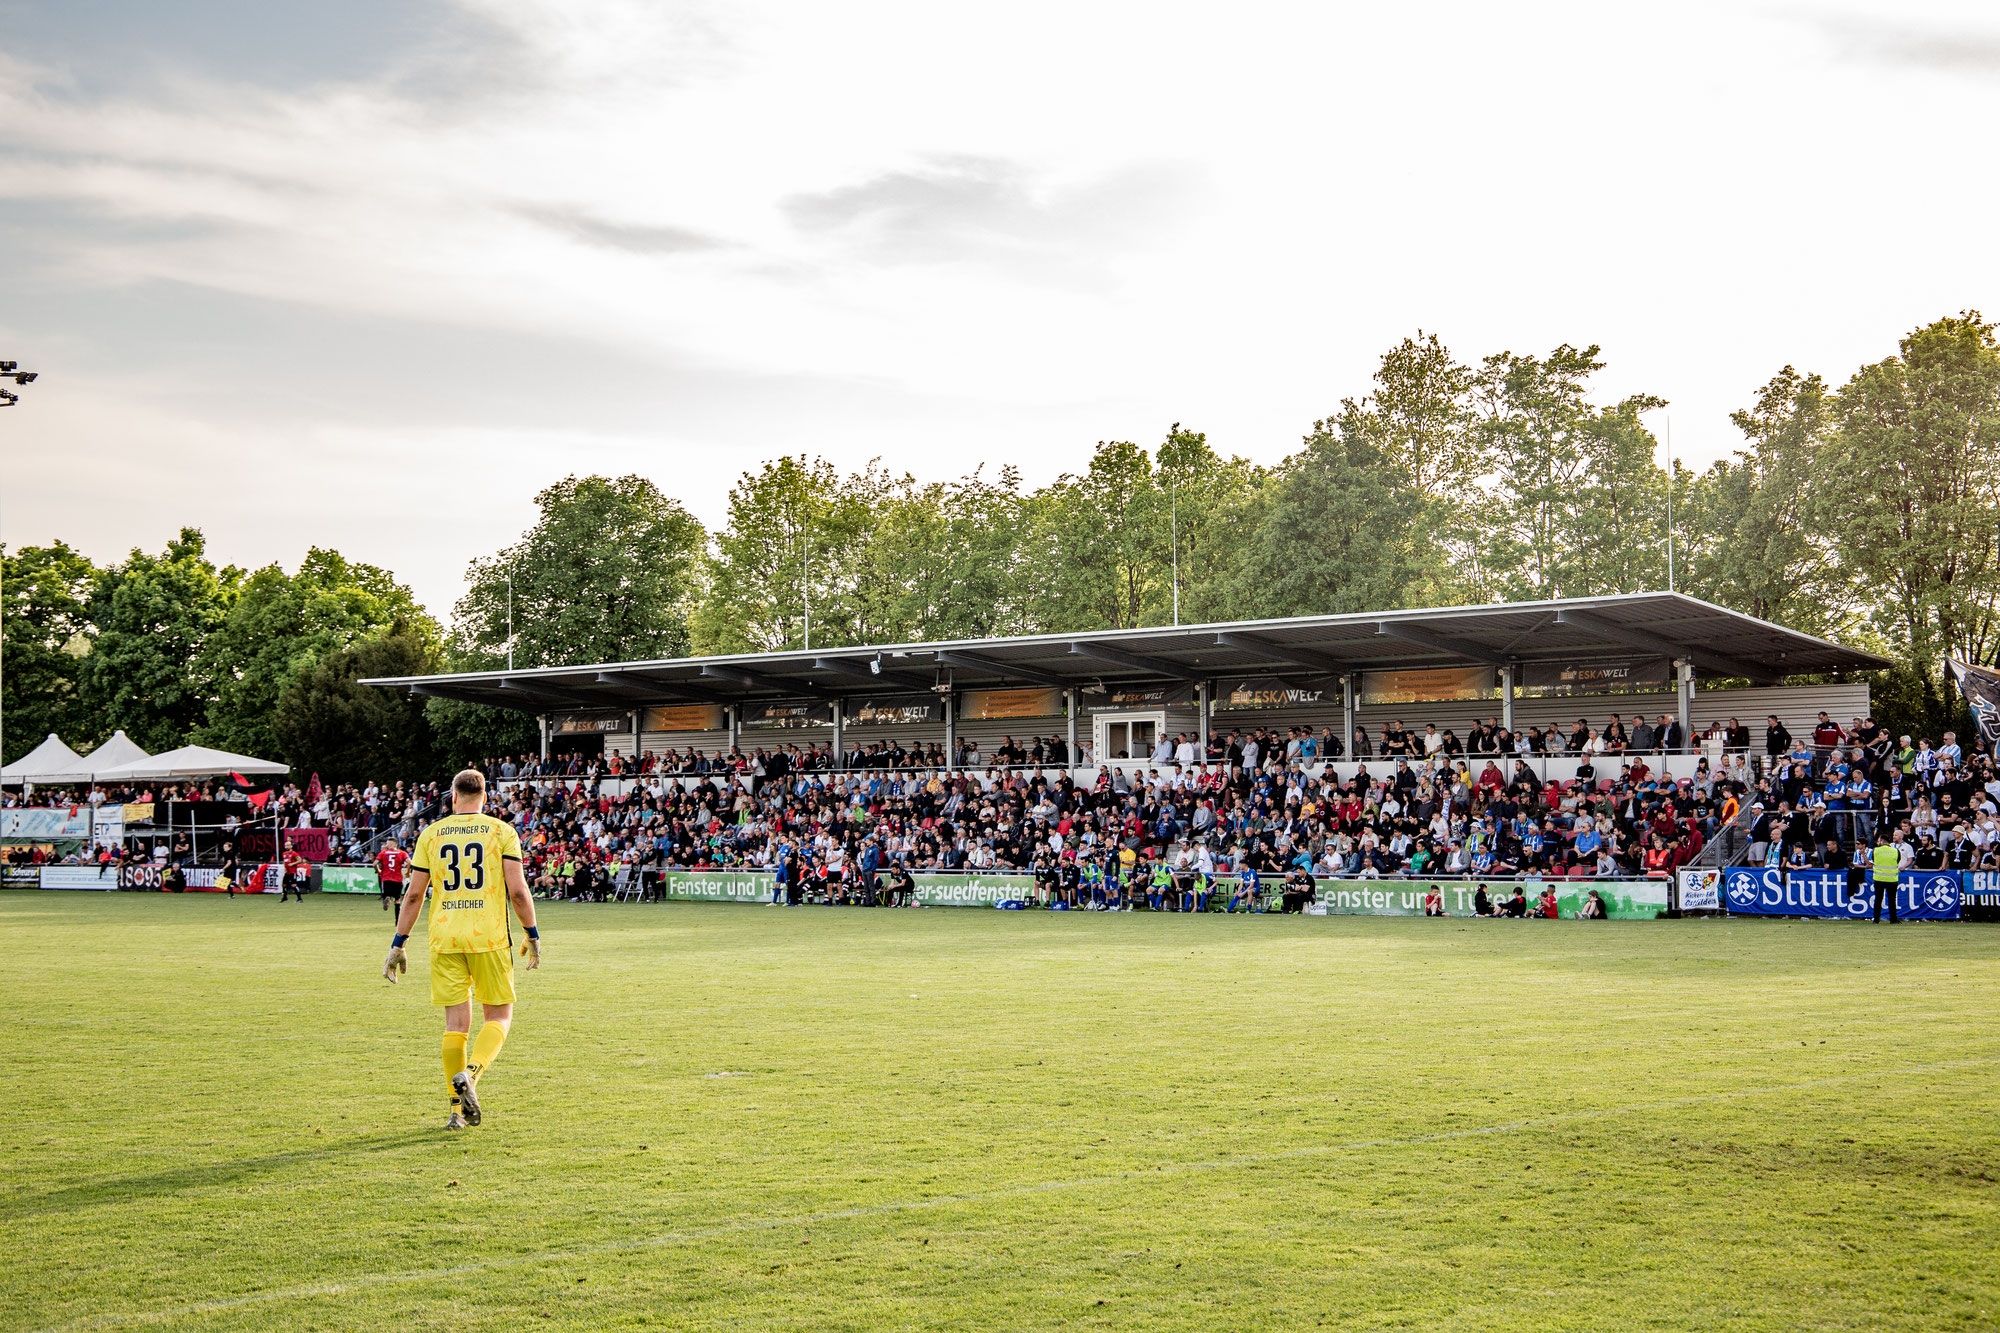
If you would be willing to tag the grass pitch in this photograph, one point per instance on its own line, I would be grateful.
(217, 1115)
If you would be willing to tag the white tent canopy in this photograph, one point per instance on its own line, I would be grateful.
(191, 761)
(118, 752)
(51, 756)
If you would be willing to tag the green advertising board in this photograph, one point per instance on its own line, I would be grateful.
(719, 886)
(1629, 899)
(735, 886)
(1624, 899)
(348, 879)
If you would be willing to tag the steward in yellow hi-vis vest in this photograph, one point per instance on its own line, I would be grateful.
(1887, 863)
(470, 863)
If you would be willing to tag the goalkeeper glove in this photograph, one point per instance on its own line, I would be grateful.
(395, 962)
(531, 948)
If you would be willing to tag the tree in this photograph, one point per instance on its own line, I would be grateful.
(467, 734)
(1208, 499)
(145, 671)
(781, 563)
(46, 628)
(610, 572)
(327, 723)
(1911, 486)
(280, 626)
(1338, 532)
(942, 560)
(1100, 543)
(1748, 542)
(1420, 420)
(1581, 502)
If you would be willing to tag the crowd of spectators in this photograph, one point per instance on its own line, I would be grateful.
(1825, 799)
(1259, 803)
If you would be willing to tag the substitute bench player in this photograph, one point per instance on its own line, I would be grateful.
(474, 862)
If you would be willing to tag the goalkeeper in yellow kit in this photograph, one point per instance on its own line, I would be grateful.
(472, 863)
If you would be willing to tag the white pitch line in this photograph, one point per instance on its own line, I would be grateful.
(1161, 1171)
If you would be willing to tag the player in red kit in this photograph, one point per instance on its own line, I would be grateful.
(389, 863)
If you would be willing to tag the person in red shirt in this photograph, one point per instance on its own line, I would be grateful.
(389, 863)
(1547, 907)
(297, 875)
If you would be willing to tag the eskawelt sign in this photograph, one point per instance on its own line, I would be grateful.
(894, 710)
(1632, 675)
(1921, 895)
(787, 715)
(1126, 698)
(591, 724)
(1249, 692)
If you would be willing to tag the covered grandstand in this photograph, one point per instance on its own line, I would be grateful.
(1112, 694)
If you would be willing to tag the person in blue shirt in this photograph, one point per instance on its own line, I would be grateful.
(1247, 883)
(781, 869)
(871, 861)
(1861, 808)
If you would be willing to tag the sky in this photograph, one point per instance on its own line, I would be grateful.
(370, 275)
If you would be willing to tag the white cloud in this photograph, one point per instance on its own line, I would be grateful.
(691, 238)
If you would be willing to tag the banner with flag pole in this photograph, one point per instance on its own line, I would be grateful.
(1981, 688)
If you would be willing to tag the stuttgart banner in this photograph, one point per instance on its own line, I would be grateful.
(1921, 895)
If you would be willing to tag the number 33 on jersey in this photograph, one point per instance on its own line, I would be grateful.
(465, 856)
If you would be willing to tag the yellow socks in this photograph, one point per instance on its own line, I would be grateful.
(486, 1046)
(454, 1059)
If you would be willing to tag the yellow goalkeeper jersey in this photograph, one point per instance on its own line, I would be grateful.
(465, 857)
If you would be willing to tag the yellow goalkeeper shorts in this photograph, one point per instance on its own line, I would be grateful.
(487, 977)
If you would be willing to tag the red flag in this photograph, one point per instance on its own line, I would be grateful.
(313, 791)
(260, 799)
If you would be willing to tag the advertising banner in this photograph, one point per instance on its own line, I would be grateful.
(719, 886)
(137, 812)
(348, 879)
(21, 877)
(999, 704)
(1701, 890)
(590, 724)
(682, 717)
(972, 890)
(895, 710)
(1426, 684)
(1632, 675)
(933, 890)
(311, 843)
(79, 877)
(1247, 692)
(1923, 895)
(1979, 896)
(1981, 688)
(71, 821)
(1127, 698)
(787, 715)
(1624, 899)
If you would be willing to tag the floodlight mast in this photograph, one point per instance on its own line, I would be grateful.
(10, 370)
